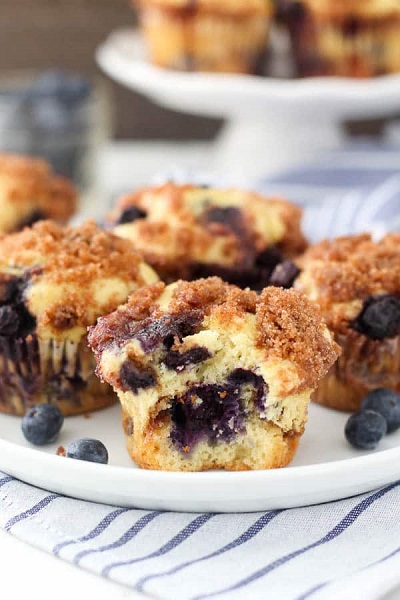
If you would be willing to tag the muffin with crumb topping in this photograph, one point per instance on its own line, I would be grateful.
(228, 36)
(30, 192)
(54, 282)
(211, 376)
(349, 38)
(188, 232)
(356, 283)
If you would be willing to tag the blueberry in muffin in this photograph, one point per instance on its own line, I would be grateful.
(356, 283)
(30, 192)
(54, 282)
(188, 232)
(211, 376)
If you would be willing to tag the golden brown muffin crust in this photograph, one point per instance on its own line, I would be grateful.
(291, 328)
(288, 326)
(24, 178)
(240, 8)
(176, 235)
(353, 268)
(71, 254)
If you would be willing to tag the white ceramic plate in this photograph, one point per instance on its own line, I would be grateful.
(123, 58)
(325, 468)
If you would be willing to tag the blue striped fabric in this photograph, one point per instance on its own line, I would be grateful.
(348, 549)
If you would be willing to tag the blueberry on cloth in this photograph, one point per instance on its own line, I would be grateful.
(42, 423)
(88, 449)
(386, 403)
(365, 429)
(380, 317)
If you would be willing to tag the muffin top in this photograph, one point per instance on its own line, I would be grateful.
(349, 273)
(29, 190)
(240, 7)
(183, 225)
(282, 326)
(349, 8)
(66, 277)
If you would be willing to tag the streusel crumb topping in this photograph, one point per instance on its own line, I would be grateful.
(70, 254)
(287, 325)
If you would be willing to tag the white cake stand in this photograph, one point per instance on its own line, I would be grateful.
(271, 123)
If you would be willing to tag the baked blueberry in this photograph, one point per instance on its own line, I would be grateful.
(284, 274)
(9, 321)
(179, 361)
(365, 429)
(130, 214)
(385, 402)
(88, 449)
(380, 317)
(134, 378)
(41, 424)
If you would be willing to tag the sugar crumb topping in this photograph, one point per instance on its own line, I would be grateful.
(75, 254)
(288, 326)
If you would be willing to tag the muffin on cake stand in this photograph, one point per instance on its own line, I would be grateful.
(272, 123)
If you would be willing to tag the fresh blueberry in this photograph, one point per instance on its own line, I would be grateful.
(379, 317)
(386, 403)
(88, 449)
(42, 423)
(365, 429)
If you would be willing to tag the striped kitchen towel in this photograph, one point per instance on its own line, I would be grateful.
(349, 549)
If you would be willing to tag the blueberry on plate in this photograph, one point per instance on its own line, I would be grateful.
(386, 403)
(365, 429)
(88, 449)
(42, 423)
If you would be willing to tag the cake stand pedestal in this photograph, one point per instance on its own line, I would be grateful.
(271, 124)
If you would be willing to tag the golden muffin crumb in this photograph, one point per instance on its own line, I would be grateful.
(189, 232)
(71, 254)
(29, 189)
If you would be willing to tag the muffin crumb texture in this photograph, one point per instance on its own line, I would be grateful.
(200, 386)
(30, 191)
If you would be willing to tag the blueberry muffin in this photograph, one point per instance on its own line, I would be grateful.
(356, 283)
(228, 36)
(188, 232)
(54, 282)
(350, 38)
(29, 192)
(211, 376)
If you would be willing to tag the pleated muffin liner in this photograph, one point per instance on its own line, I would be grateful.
(363, 366)
(351, 47)
(60, 372)
(195, 40)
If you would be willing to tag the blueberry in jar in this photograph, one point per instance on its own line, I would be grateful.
(42, 424)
